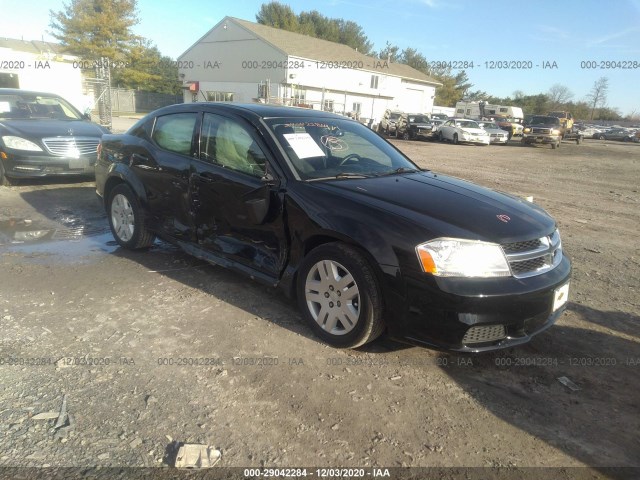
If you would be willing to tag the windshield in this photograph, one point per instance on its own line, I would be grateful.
(334, 148)
(539, 120)
(467, 124)
(419, 119)
(489, 126)
(29, 106)
(558, 114)
(394, 116)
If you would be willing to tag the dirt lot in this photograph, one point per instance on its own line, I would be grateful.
(130, 319)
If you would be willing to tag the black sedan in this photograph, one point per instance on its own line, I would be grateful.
(325, 209)
(41, 134)
(413, 126)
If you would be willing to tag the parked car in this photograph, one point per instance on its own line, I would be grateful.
(461, 130)
(41, 134)
(496, 134)
(334, 215)
(542, 129)
(413, 126)
(387, 124)
(620, 134)
(510, 125)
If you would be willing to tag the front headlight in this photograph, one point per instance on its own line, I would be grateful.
(19, 143)
(455, 257)
(527, 130)
(555, 132)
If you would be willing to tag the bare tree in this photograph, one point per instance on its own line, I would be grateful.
(559, 94)
(598, 95)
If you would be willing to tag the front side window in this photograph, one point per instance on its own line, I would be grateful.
(228, 144)
(174, 132)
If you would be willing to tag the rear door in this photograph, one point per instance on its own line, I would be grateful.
(163, 164)
(237, 211)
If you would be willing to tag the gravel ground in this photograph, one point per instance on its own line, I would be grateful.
(153, 348)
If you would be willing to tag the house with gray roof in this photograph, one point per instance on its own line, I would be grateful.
(241, 61)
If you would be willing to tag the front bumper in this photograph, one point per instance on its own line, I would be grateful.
(476, 315)
(476, 140)
(533, 138)
(33, 166)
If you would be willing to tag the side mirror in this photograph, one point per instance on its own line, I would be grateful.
(270, 180)
(87, 116)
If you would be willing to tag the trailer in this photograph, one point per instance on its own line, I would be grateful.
(482, 110)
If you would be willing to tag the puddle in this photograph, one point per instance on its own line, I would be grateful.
(73, 240)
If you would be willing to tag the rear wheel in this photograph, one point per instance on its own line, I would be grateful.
(601, 137)
(127, 220)
(455, 139)
(339, 296)
(440, 137)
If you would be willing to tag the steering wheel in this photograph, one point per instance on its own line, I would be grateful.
(349, 158)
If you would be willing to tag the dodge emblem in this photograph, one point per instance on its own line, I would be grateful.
(504, 218)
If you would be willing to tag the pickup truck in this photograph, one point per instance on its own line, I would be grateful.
(542, 129)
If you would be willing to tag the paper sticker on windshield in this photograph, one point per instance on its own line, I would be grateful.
(334, 143)
(5, 107)
(303, 145)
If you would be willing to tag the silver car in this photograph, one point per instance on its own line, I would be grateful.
(496, 134)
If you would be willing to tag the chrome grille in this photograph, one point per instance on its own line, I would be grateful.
(72, 146)
(540, 130)
(534, 257)
(483, 334)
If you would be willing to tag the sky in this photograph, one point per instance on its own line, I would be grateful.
(570, 37)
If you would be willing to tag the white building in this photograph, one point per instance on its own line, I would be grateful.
(40, 66)
(241, 61)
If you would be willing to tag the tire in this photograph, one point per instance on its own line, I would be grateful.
(455, 139)
(4, 180)
(319, 293)
(601, 137)
(405, 135)
(626, 139)
(127, 219)
(554, 146)
(440, 137)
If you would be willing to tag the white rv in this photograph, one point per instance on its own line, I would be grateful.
(479, 110)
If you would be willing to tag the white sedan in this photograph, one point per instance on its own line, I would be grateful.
(461, 130)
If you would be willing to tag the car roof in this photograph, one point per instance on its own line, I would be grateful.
(251, 110)
(20, 91)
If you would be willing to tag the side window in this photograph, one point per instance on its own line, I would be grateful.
(226, 143)
(174, 132)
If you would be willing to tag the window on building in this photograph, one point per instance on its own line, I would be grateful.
(328, 106)
(9, 80)
(468, 111)
(374, 81)
(503, 110)
(357, 107)
(460, 110)
(220, 96)
(174, 132)
(299, 94)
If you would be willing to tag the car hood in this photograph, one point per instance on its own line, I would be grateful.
(51, 128)
(480, 131)
(478, 212)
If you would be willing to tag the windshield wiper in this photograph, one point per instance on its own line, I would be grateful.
(343, 175)
(402, 170)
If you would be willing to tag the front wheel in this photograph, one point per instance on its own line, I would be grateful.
(4, 180)
(126, 219)
(455, 139)
(405, 135)
(339, 296)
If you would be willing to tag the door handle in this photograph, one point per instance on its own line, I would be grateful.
(207, 177)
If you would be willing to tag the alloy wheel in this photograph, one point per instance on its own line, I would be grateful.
(332, 297)
(122, 217)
